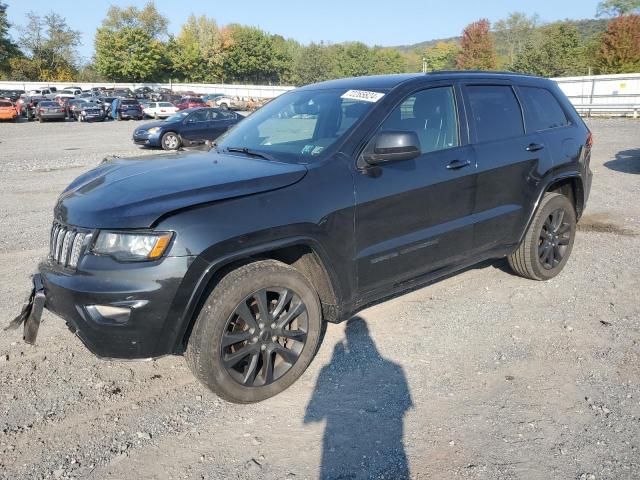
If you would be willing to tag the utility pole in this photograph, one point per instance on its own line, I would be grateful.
(424, 64)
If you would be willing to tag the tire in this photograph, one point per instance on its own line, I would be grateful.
(218, 319)
(170, 141)
(546, 247)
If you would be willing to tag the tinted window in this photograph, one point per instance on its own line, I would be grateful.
(431, 114)
(201, 115)
(541, 109)
(130, 102)
(495, 111)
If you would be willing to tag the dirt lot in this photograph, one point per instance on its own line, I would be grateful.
(484, 375)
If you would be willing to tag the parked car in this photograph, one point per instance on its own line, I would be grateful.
(105, 103)
(50, 110)
(8, 111)
(125, 109)
(12, 95)
(159, 109)
(190, 102)
(209, 99)
(142, 92)
(73, 106)
(89, 112)
(27, 105)
(65, 94)
(231, 103)
(122, 93)
(186, 128)
(49, 92)
(72, 90)
(237, 256)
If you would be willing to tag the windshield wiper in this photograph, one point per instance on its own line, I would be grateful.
(253, 153)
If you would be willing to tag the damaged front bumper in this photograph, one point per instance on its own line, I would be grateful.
(118, 310)
(31, 312)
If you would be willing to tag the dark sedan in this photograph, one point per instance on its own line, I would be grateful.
(89, 112)
(188, 127)
(50, 110)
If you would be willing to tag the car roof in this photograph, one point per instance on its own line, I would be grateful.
(387, 82)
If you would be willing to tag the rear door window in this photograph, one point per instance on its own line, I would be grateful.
(495, 112)
(541, 109)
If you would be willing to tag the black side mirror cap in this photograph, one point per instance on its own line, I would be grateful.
(391, 146)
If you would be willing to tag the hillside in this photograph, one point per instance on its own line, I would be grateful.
(586, 27)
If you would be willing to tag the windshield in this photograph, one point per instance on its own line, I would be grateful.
(176, 117)
(299, 125)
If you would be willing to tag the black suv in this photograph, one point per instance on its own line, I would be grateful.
(331, 197)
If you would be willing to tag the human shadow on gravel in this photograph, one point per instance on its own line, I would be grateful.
(627, 161)
(363, 397)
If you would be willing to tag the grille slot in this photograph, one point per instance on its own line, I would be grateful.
(66, 244)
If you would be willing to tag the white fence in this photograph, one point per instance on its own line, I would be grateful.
(603, 94)
(596, 94)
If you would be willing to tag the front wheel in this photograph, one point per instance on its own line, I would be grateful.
(256, 333)
(170, 141)
(547, 244)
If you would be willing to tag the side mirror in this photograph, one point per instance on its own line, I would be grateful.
(392, 146)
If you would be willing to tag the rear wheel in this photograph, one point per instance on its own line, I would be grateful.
(548, 242)
(256, 333)
(170, 141)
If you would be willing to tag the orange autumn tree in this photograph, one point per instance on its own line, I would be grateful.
(477, 47)
(620, 47)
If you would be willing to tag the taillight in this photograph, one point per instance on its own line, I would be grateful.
(590, 140)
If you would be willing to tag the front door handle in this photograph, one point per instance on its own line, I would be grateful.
(534, 147)
(456, 164)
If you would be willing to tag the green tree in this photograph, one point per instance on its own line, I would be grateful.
(129, 47)
(148, 19)
(50, 46)
(477, 49)
(441, 56)
(312, 64)
(556, 50)
(388, 60)
(513, 33)
(196, 53)
(620, 46)
(351, 59)
(8, 49)
(614, 8)
(249, 56)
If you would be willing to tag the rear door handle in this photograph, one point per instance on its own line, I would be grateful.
(534, 147)
(456, 164)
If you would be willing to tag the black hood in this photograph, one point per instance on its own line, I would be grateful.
(134, 193)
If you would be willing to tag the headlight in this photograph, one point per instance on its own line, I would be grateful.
(130, 246)
(153, 129)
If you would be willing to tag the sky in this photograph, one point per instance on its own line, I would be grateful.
(398, 22)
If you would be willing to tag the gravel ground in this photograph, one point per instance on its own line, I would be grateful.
(483, 375)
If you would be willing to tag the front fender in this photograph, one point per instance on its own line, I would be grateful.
(204, 274)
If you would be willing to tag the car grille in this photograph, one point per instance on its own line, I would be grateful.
(67, 244)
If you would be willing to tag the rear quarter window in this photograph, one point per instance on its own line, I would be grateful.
(495, 112)
(541, 109)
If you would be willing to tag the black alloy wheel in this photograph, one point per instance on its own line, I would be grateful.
(264, 336)
(554, 239)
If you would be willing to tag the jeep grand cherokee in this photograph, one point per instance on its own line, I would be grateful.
(331, 197)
